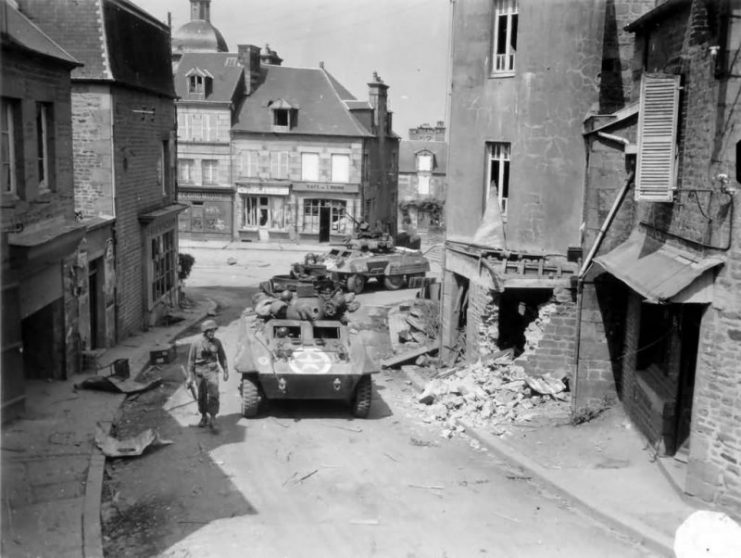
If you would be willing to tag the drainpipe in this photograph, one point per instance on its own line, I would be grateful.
(588, 262)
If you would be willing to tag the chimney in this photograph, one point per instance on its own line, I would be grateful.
(378, 99)
(269, 56)
(249, 57)
(200, 9)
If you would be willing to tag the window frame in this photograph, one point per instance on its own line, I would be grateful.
(9, 128)
(190, 165)
(340, 175)
(305, 175)
(279, 164)
(44, 148)
(503, 60)
(209, 171)
(501, 153)
(162, 258)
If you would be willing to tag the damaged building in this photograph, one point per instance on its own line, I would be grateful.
(659, 305)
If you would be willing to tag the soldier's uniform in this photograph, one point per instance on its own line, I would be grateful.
(204, 359)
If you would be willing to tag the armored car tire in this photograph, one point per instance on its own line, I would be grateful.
(250, 397)
(361, 401)
(393, 282)
(356, 283)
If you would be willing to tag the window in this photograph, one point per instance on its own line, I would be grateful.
(209, 169)
(657, 137)
(250, 163)
(310, 166)
(423, 184)
(265, 211)
(312, 215)
(163, 264)
(279, 164)
(195, 84)
(497, 179)
(504, 36)
(43, 145)
(340, 168)
(424, 162)
(186, 171)
(10, 145)
(282, 118)
(210, 123)
(184, 126)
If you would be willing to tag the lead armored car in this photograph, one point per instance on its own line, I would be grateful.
(302, 349)
(364, 259)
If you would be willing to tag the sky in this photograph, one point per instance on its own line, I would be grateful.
(405, 41)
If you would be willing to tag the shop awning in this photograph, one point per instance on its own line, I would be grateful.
(161, 214)
(659, 272)
(51, 244)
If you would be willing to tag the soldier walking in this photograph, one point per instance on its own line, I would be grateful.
(205, 358)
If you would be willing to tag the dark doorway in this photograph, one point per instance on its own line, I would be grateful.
(324, 224)
(93, 300)
(43, 343)
(690, 318)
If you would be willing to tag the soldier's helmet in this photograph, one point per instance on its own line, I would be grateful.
(286, 296)
(209, 325)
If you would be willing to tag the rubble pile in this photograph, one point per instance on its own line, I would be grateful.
(421, 324)
(491, 395)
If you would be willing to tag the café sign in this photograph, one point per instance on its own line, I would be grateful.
(330, 188)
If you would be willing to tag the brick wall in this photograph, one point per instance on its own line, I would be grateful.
(138, 141)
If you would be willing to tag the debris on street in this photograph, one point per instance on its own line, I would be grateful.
(130, 447)
(116, 384)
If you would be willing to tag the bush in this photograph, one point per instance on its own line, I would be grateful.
(185, 264)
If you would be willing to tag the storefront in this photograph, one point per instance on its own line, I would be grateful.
(266, 211)
(325, 212)
(208, 214)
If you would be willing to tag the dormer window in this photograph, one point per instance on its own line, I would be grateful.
(200, 83)
(284, 115)
(424, 162)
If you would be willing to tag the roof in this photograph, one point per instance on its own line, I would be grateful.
(114, 39)
(319, 96)
(223, 67)
(19, 31)
(408, 150)
(655, 270)
(198, 35)
(652, 16)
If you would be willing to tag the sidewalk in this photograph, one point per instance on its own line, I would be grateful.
(279, 246)
(603, 467)
(52, 472)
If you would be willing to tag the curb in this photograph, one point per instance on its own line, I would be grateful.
(647, 537)
(92, 531)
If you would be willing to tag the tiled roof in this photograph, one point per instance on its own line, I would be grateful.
(22, 32)
(408, 150)
(114, 39)
(223, 66)
(319, 96)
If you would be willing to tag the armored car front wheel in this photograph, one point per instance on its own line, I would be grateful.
(356, 283)
(393, 282)
(361, 401)
(250, 397)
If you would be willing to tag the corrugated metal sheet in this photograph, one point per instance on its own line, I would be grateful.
(654, 269)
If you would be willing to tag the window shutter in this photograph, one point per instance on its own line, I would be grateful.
(657, 136)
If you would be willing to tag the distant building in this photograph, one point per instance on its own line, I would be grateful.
(123, 139)
(268, 152)
(423, 183)
(40, 237)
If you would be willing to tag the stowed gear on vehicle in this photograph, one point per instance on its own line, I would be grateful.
(301, 348)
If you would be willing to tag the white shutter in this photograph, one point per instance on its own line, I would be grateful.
(657, 138)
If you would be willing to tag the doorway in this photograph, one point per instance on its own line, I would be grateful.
(324, 223)
(690, 319)
(43, 343)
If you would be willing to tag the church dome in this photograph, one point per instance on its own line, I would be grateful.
(198, 35)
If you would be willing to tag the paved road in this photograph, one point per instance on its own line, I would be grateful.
(304, 479)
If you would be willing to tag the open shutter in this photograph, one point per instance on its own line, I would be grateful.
(657, 138)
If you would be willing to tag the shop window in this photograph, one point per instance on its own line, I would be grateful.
(497, 179)
(340, 168)
(265, 212)
(186, 171)
(163, 264)
(44, 128)
(310, 166)
(504, 36)
(209, 171)
(337, 216)
(11, 145)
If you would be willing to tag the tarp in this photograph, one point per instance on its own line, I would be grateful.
(658, 271)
